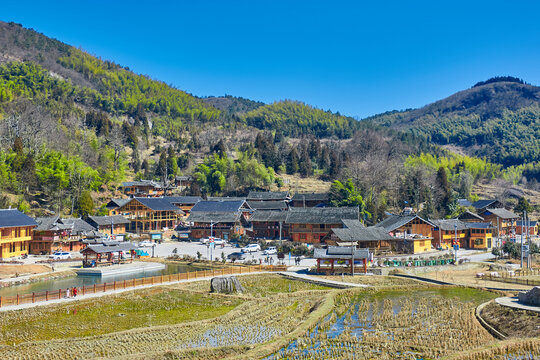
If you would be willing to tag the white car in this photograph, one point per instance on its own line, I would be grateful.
(271, 250)
(146, 243)
(218, 241)
(60, 255)
(251, 248)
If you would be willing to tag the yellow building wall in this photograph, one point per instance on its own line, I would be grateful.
(421, 246)
(13, 244)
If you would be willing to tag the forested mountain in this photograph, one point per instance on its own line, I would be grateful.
(498, 119)
(233, 104)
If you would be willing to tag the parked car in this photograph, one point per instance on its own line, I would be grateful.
(204, 241)
(271, 250)
(237, 256)
(251, 248)
(60, 255)
(146, 243)
(219, 242)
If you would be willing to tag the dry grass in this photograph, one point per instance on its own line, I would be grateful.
(9, 271)
(378, 281)
(297, 184)
(512, 322)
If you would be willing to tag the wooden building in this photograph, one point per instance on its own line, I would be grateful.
(255, 196)
(227, 205)
(183, 183)
(482, 205)
(15, 233)
(52, 235)
(184, 203)
(415, 232)
(269, 225)
(480, 236)
(375, 239)
(150, 214)
(468, 216)
(503, 220)
(109, 225)
(311, 225)
(143, 188)
(308, 200)
(113, 205)
(446, 231)
(107, 253)
(521, 227)
(217, 224)
(268, 205)
(337, 259)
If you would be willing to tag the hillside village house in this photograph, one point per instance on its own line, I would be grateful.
(482, 205)
(311, 225)
(184, 203)
(15, 233)
(448, 232)
(268, 205)
(307, 200)
(376, 239)
(52, 235)
(183, 183)
(468, 216)
(224, 204)
(480, 236)
(109, 225)
(151, 214)
(269, 225)
(113, 205)
(255, 196)
(416, 232)
(521, 227)
(503, 220)
(143, 188)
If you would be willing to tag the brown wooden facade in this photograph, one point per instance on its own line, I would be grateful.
(144, 218)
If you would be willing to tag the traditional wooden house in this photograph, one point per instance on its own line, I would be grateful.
(184, 203)
(521, 227)
(310, 225)
(15, 233)
(143, 188)
(482, 205)
(269, 225)
(468, 216)
(109, 225)
(308, 200)
(113, 205)
(415, 232)
(480, 236)
(52, 235)
(338, 259)
(449, 232)
(231, 205)
(150, 214)
(79, 229)
(224, 225)
(503, 220)
(255, 196)
(376, 239)
(183, 182)
(268, 205)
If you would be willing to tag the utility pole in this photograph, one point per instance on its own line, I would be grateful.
(522, 223)
(455, 244)
(280, 240)
(353, 245)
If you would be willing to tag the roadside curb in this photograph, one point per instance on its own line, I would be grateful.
(495, 333)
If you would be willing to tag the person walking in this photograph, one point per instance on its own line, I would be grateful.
(74, 292)
(67, 293)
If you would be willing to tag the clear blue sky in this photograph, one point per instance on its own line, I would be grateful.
(358, 58)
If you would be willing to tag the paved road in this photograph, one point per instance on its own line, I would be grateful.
(513, 302)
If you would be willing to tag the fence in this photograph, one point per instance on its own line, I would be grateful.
(514, 277)
(126, 284)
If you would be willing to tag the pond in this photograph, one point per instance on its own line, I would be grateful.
(79, 281)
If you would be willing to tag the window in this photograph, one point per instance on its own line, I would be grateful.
(422, 243)
(478, 241)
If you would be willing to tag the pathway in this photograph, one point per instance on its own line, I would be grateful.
(513, 302)
(320, 281)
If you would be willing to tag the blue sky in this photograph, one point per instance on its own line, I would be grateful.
(358, 58)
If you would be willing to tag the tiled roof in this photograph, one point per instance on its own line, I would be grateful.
(115, 203)
(78, 226)
(449, 224)
(310, 197)
(479, 225)
(464, 202)
(468, 215)
(183, 199)
(321, 215)
(267, 195)
(142, 183)
(268, 216)
(46, 223)
(502, 213)
(218, 206)
(519, 223)
(158, 204)
(226, 198)
(362, 234)
(214, 217)
(482, 204)
(101, 249)
(13, 218)
(394, 222)
(338, 252)
(108, 220)
(268, 205)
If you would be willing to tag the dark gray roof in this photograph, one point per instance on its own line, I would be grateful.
(358, 233)
(268, 195)
(158, 204)
(519, 223)
(464, 202)
(115, 203)
(502, 213)
(189, 200)
(268, 205)
(78, 226)
(449, 224)
(226, 198)
(184, 178)
(394, 222)
(214, 217)
(479, 225)
(352, 224)
(321, 215)
(467, 215)
(310, 196)
(268, 216)
(108, 220)
(100, 249)
(46, 223)
(482, 204)
(142, 183)
(218, 206)
(339, 252)
(13, 218)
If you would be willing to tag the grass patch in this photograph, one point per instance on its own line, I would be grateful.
(156, 306)
(261, 285)
(375, 280)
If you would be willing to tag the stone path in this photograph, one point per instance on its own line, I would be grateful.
(320, 281)
(514, 303)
